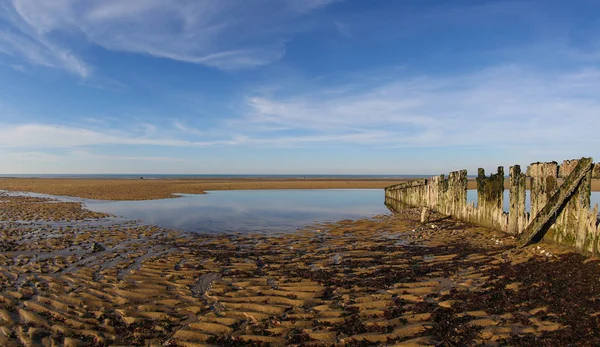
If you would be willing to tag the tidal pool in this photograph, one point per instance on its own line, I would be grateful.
(249, 210)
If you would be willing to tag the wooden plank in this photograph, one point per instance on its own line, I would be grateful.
(539, 223)
(410, 184)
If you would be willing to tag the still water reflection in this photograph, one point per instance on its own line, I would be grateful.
(250, 210)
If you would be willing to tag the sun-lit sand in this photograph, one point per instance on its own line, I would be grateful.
(71, 277)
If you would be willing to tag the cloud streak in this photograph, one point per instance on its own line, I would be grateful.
(496, 106)
(58, 136)
(36, 135)
(222, 34)
(506, 106)
(40, 52)
(521, 112)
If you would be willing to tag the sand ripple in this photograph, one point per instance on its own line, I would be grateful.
(381, 281)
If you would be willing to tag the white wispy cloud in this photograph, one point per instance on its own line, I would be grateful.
(37, 156)
(40, 52)
(83, 154)
(506, 105)
(343, 29)
(187, 129)
(221, 34)
(35, 135)
(49, 160)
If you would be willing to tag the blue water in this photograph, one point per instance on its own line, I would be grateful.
(472, 196)
(250, 210)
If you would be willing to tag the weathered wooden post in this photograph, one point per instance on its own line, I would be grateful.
(490, 198)
(490, 190)
(544, 183)
(425, 215)
(540, 224)
(596, 171)
(570, 226)
(456, 192)
(517, 194)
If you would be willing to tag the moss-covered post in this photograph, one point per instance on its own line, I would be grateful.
(596, 171)
(490, 190)
(461, 192)
(413, 192)
(516, 213)
(457, 193)
(490, 197)
(585, 204)
(433, 193)
(544, 183)
(571, 223)
(555, 215)
(442, 187)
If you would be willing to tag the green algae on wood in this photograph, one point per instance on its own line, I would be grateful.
(490, 190)
(517, 217)
(539, 224)
(573, 224)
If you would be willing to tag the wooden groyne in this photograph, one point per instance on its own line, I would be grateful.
(559, 201)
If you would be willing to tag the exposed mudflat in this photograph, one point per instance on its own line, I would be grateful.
(71, 277)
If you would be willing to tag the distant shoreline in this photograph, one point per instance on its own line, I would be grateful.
(217, 176)
(151, 189)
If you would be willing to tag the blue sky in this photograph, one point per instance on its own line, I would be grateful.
(296, 86)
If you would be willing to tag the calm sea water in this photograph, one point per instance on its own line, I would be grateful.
(250, 210)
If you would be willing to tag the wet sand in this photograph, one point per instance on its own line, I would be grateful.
(385, 281)
(127, 189)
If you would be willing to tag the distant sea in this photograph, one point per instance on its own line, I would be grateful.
(213, 176)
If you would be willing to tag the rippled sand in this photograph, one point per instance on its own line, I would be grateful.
(382, 281)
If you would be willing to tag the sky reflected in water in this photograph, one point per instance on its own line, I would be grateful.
(250, 210)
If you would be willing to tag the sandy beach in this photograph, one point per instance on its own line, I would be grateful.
(305, 173)
(127, 189)
(71, 277)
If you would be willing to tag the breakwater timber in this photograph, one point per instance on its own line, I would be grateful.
(560, 201)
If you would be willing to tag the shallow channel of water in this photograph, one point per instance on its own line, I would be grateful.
(249, 210)
(256, 210)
